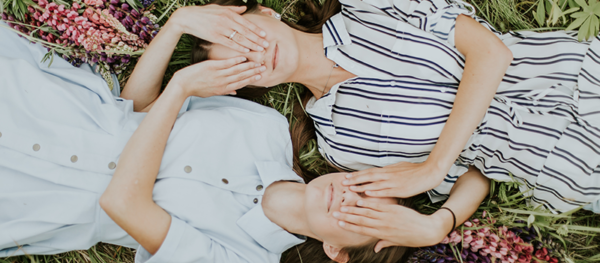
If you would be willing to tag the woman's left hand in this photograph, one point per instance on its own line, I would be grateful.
(395, 225)
(400, 180)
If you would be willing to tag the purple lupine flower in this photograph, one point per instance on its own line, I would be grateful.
(125, 7)
(145, 20)
(135, 13)
(143, 35)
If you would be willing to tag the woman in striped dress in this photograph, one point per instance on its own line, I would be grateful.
(412, 93)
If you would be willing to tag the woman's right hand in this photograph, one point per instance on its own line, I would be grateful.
(217, 77)
(215, 23)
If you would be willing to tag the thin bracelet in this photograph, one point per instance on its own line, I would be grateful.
(453, 219)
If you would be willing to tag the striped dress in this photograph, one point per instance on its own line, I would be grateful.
(542, 128)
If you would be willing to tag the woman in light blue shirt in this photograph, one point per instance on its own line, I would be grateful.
(195, 179)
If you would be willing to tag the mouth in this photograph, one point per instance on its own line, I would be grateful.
(329, 197)
(275, 56)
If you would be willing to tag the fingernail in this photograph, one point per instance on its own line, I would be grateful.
(368, 192)
(353, 187)
(244, 59)
(359, 202)
(246, 50)
(266, 44)
(336, 214)
(260, 48)
(341, 223)
(257, 77)
(346, 182)
(263, 68)
(349, 176)
(256, 65)
(344, 209)
(263, 33)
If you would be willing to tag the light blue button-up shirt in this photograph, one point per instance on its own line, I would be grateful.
(62, 130)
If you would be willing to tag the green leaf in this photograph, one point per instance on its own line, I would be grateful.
(577, 23)
(572, 4)
(556, 13)
(580, 14)
(541, 13)
(581, 3)
(530, 220)
(596, 9)
(584, 29)
(593, 26)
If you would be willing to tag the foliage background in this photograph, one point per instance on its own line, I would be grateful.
(574, 237)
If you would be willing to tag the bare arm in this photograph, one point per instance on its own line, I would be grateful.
(400, 226)
(128, 198)
(487, 59)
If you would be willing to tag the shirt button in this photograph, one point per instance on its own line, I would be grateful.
(255, 200)
(187, 169)
(259, 187)
(36, 147)
(112, 165)
(74, 158)
(225, 181)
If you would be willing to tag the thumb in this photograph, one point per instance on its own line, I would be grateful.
(383, 244)
(238, 9)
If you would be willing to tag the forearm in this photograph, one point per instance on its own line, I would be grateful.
(486, 61)
(128, 198)
(143, 86)
(465, 197)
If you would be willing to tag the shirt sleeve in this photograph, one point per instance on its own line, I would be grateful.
(185, 243)
(442, 191)
(437, 17)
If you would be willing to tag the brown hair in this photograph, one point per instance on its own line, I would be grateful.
(303, 131)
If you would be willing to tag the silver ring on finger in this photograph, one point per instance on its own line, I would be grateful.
(232, 34)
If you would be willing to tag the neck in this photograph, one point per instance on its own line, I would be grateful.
(315, 70)
(283, 204)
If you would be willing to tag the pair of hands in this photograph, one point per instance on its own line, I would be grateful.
(215, 24)
(394, 225)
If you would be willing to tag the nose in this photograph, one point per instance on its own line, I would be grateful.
(349, 198)
(256, 56)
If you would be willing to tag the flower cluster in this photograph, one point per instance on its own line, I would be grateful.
(102, 32)
(477, 242)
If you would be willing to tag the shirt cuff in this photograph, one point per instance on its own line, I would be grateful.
(167, 249)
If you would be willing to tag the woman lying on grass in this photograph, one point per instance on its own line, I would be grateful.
(205, 179)
(412, 93)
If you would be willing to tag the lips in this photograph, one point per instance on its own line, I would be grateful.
(275, 56)
(329, 197)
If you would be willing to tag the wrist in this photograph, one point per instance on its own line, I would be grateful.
(177, 90)
(442, 223)
(175, 23)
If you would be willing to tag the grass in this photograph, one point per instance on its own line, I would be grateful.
(574, 236)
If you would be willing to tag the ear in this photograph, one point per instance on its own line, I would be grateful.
(381, 244)
(268, 11)
(335, 254)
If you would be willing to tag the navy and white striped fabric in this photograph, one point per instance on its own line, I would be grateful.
(541, 128)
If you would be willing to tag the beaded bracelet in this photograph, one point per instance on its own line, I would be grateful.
(453, 218)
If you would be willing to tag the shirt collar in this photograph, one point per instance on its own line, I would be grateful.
(335, 33)
(321, 110)
(268, 234)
